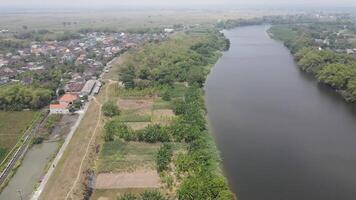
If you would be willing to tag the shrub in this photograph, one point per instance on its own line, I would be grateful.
(153, 133)
(127, 196)
(152, 195)
(110, 109)
(114, 128)
(164, 157)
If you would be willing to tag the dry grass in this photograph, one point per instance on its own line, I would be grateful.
(124, 180)
(66, 171)
(162, 116)
(117, 156)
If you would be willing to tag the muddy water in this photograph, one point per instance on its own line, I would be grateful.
(282, 136)
(29, 173)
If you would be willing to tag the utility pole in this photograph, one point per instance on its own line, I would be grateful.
(20, 193)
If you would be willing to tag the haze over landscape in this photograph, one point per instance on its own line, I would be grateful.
(171, 3)
(177, 99)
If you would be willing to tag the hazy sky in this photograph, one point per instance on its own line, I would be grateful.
(104, 3)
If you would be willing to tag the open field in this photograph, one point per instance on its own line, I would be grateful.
(120, 19)
(117, 156)
(12, 126)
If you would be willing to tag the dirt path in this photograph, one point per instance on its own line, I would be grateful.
(70, 192)
(111, 82)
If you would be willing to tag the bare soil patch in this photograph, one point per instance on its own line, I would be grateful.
(136, 179)
(135, 104)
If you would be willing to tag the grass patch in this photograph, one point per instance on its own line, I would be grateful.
(118, 156)
(135, 93)
(178, 90)
(114, 193)
(161, 104)
(129, 116)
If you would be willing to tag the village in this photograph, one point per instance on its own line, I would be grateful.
(70, 68)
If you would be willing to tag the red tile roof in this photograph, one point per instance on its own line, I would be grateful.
(57, 106)
(68, 98)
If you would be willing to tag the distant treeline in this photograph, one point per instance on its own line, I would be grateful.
(273, 20)
(45, 35)
(335, 69)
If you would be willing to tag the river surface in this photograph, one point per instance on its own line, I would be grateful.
(282, 136)
(30, 172)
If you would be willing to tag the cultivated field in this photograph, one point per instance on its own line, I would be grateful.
(12, 126)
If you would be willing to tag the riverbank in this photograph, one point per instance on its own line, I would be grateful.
(329, 66)
(165, 120)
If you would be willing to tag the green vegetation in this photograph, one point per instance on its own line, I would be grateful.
(119, 156)
(18, 97)
(335, 69)
(180, 59)
(164, 157)
(175, 70)
(10, 133)
(110, 109)
(146, 195)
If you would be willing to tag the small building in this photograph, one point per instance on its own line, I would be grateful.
(64, 102)
(58, 108)
(97, 87)
(88, 87)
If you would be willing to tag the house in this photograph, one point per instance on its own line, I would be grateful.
(88, 87)
(64, 102)
(74, 87)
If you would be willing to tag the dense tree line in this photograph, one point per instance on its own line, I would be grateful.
(182, 59)
(44, 35)
(335, 69)
(18, 97)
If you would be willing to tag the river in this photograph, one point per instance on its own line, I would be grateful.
(281, 135)
(29, 174)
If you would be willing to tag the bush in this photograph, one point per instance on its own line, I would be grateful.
(110, 109)
(146, 195)
(117, 129)
(164, 157)
(127, 196)
(202, 187)
(152, 195)
(167, 95)
(152, 134)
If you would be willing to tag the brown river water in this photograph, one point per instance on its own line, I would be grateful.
(281, 135)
